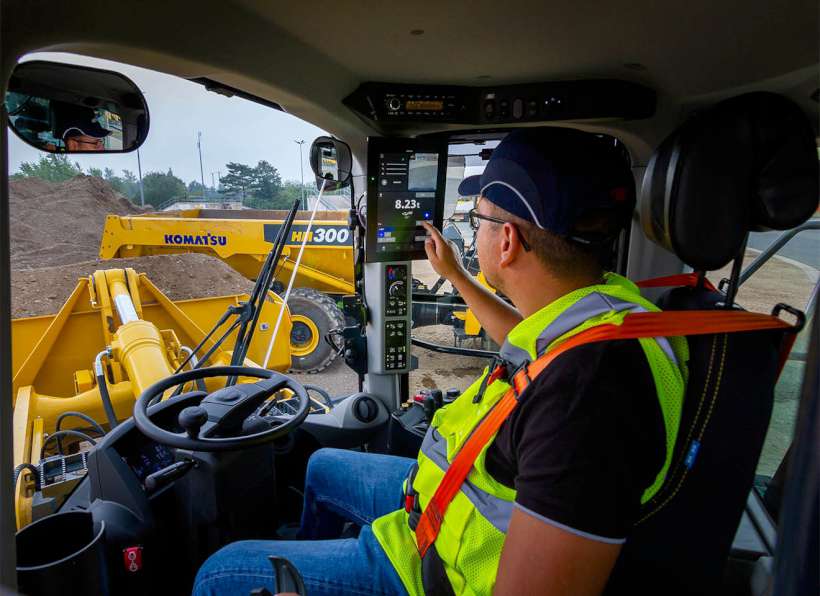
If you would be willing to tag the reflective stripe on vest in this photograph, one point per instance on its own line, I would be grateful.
(473, 529)
(586, 308)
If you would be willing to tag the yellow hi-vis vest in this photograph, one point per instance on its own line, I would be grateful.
(474, 527)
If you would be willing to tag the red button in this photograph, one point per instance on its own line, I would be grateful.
(132, 558)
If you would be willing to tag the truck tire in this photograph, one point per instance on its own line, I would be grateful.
(313, 315)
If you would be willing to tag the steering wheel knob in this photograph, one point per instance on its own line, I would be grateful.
(191, 419)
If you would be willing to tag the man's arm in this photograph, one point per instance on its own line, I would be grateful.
(496, 316)
(541, 558)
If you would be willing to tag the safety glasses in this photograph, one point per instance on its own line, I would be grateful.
(475, 221)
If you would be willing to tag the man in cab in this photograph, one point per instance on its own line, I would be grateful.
(551, 495)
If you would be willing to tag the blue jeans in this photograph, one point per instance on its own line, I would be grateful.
(341, 486)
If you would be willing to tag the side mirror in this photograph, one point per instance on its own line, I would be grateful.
(64, 108)
(331, 161)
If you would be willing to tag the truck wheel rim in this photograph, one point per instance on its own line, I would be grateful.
(304, 336)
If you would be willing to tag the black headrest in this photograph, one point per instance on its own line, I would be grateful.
(746, 164)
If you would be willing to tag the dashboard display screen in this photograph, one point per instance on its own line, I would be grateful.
(147, 457)
(407, 183)
(424, 105)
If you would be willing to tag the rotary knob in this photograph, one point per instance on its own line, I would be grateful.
(394, 104)
(396, 289)
(365, 409)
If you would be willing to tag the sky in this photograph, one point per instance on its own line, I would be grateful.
(233, 129)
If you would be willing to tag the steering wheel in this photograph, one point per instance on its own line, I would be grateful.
(228, 419)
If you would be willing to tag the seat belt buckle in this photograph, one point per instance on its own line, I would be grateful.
(520, 380)
(499, 372)
(411, 499)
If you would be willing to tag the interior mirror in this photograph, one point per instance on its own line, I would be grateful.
(64, 108)
(331, 162)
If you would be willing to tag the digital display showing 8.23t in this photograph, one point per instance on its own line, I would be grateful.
(406, 181)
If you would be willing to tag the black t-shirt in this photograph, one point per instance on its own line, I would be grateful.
(585, 441)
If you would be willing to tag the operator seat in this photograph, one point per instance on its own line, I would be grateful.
(747, 164)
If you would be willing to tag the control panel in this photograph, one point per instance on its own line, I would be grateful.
(395, 343)
(405, 188)
(503, 104)
(388, 292)
(395, 291)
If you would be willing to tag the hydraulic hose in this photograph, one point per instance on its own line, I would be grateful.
(31, 468)
(65, 433)
(200, 383)
(94, 424)
(102, 384)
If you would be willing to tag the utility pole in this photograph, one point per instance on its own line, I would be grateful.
(201, 171)
(302, 170)
(213, 184)
(139, 170)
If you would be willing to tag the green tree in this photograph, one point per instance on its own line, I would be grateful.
(291, 191)
(266, 182)
(239, 179)
(160, 188)
(97, 172)
(196, 189)
(51, 167)
(127, 184)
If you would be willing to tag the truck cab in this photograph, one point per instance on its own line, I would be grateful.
(714, 106)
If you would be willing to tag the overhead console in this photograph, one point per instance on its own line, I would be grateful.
(503, 104)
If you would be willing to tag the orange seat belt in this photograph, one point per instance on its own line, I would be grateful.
(634, 326)
(688, 280)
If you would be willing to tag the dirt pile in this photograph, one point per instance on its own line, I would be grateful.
(43, 291)
(55, 238)
(59, 223)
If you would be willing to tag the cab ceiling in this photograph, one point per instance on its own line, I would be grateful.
(687, 48)
(307, 56)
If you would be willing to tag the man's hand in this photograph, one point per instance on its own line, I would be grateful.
(442, 255)
(496, 316)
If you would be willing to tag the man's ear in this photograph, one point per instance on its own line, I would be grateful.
(511, 247)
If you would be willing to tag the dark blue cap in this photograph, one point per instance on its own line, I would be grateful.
(75, 120)
(557, 178)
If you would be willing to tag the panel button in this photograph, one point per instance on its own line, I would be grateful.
(518, 109)
(504, 109)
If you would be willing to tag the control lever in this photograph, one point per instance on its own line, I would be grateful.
(438, 398)
(155, 481)
(429, 406)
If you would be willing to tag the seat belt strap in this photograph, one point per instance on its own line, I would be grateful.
(634, 326)
(687, 280)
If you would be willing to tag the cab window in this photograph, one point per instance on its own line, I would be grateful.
(787, 275)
